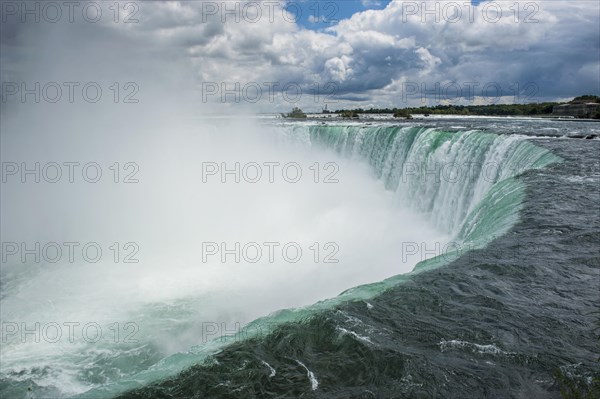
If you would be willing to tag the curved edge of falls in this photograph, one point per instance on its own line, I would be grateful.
(465, 182)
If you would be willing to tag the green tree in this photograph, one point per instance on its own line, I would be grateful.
(296, 113)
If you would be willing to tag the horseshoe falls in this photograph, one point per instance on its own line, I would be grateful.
(299, 199)
(420, 198)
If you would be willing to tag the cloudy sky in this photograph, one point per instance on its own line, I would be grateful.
(358, 53)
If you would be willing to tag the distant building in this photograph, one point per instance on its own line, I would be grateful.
(325, 110)
(579, 110)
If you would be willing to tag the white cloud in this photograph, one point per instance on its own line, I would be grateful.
(338, 68)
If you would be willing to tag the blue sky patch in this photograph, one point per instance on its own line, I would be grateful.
(318, 15)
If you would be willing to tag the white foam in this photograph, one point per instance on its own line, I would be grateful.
(271, 369)
(314, 383)
(489, 349)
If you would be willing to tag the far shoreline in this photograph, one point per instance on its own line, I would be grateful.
(420, 117)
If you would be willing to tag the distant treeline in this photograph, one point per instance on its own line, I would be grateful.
(500, 109)
(496, 109)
